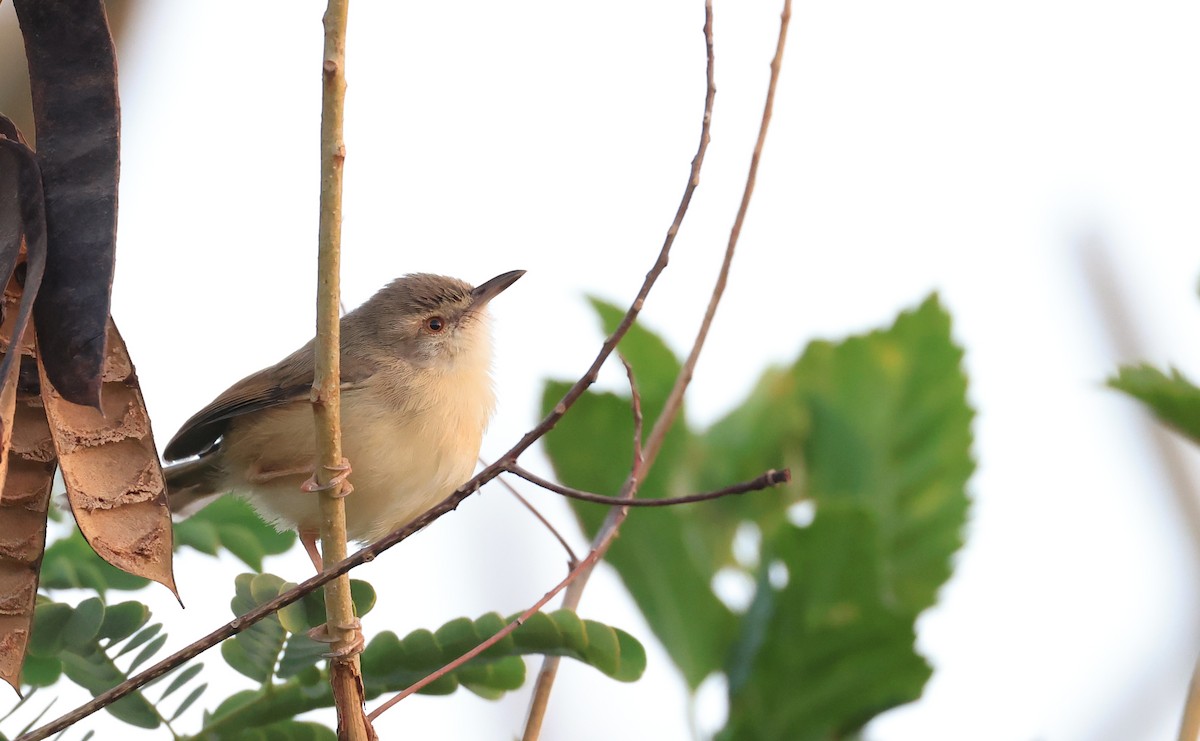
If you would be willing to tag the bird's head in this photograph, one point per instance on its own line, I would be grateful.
(434, 320)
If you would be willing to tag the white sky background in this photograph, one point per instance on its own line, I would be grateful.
(918, 146)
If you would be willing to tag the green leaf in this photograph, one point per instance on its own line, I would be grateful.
(189, 700)
(886, 449)
(300, 655)
(287, 730)
(181, 679)
(657, 556)
(1173, 399)
(309, 612)
(390, 661)
(891, 432)
(93, 670)
(71, 563)
(146, 653)
(255, 651)
(665, 565)
(49, 620)
(144, 635)
(817, 658)
(84, 624)
(123, 620)
(38, 671)
(390, 664)
(231, 523)
(654, 364)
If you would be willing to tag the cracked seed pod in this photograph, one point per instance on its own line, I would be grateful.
(110, 466)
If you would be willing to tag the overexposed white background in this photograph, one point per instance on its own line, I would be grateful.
(973, 149)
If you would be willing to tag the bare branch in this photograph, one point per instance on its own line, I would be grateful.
(768, 479)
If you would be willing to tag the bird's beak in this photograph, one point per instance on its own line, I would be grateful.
(482, 294)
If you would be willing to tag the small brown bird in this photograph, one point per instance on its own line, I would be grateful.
(416, 397)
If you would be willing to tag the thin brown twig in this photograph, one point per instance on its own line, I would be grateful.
(540, 699)
(766, 480)
(636, 404)
(674, 402)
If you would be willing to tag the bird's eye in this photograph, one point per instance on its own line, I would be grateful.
(435, 324)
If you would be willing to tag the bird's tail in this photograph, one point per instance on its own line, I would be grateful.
(192, 485)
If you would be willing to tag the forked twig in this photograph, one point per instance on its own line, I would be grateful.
(674, 402)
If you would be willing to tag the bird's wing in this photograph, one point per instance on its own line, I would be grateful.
(287, 382)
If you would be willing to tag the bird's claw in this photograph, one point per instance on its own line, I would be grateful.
(353, 648)
(341, 471)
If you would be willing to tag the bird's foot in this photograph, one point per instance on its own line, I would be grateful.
(340, 472)
(353, 648)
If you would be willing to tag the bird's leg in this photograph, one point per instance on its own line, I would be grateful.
(258, 474)
(308, 538)
(341, 471)
(321, 633)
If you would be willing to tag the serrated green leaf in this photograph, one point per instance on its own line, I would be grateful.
(891, 432)
(84, 624)
(1173, 399)
(885, 435)
(844, 653)
(123, 620)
